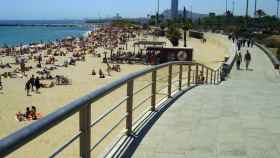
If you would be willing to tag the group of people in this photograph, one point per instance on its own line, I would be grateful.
(100, 73)
(31, 84)
(243, 42)
(247, 59)
(30, 114)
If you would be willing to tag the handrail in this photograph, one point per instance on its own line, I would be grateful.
(14, 141)
(272, 58)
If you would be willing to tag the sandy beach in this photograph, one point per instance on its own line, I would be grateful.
(14, 99)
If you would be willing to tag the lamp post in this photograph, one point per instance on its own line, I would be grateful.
(233, 7)
(185, 31)
(157, 13)
(226, 6)
(247, 8)
(255, 13)
(278, 8)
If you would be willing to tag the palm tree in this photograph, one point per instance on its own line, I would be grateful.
(173, 34)
(186, 26)
(260, 13)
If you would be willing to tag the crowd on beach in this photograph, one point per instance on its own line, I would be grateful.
(42, 59)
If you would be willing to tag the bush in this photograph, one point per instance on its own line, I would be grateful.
(272, 42)
(173, 34)
(278, 53)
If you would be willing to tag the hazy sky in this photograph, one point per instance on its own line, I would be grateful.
(80, 9)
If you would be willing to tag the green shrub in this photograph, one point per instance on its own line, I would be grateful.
(278, 53)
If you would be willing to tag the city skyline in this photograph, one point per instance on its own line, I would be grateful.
(72, 9)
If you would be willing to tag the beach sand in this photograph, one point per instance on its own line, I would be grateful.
(14, 98)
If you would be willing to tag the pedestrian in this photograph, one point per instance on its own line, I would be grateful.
(252, 43)
(22, 66)
(247, 59)
(32, 81)
(27, 87)
(248, 43)
(40, 59)
(37, 84)
(238, 60)
(239, 45)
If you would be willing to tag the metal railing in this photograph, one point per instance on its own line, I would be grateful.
(175, 82)
(272, 57)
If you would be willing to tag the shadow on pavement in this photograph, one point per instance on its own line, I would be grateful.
(129, 144)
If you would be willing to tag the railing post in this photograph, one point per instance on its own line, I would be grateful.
(193, 77)
(207, 74)
(211, 76)
(169, 80)
(196, 74)
(154, 87)
(202, 70)
(85, 138)
(180, 77)
(189, 74)
(215, 75)
(129, 106)
(218, 76)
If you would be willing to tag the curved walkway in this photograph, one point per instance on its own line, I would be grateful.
(237, 119)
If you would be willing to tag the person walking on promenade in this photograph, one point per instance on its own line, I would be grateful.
(239, 45)
(238, 60)
(252, 43)
(247, 59)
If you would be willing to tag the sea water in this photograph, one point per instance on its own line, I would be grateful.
(25, 32)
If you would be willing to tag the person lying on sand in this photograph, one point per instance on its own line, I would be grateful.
(62, 80)
(116, 68)
(29, 114)
(47, 84)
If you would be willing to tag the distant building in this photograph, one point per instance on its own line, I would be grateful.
(117, 17)
(174, 8)
(212, 14)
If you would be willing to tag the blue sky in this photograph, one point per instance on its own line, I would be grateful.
(80, 9)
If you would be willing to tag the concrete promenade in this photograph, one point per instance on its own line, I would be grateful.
(239, 118)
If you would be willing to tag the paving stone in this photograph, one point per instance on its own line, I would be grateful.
(236, 119)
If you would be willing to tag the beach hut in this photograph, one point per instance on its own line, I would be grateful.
(167, 54)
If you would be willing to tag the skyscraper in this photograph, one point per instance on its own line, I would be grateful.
(174, 8)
